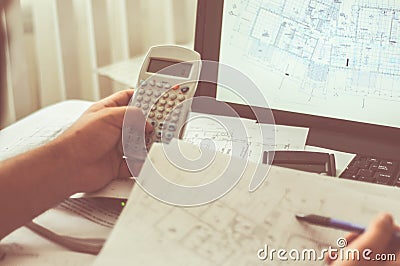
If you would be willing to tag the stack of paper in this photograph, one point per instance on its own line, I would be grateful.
(231, 230)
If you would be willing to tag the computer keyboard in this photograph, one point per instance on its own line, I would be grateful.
(373, 170)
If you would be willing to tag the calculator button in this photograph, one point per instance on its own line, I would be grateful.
(152, 115)
(159, 84)
(167, 86)
(185, 89)
(157, 94)
(139, 98)
(152, 83)
(159, 116)
(145, 106)
(141, 91)
(147, 99)
(171, 103)
(176, 87)
(161, 109)
(181, 98)
(173, 96)
(149, 92)
(165, 95)
(169, 135)
(163, 102)
(172, 127)
(138, 105)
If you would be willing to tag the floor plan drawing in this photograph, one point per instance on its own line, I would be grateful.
(317, 51)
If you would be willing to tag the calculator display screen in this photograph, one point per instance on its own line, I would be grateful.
(178, 70)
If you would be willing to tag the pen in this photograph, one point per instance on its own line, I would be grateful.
(337, 224)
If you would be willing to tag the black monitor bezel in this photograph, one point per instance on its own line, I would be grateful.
(207, 43)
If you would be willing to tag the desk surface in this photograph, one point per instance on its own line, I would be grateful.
(23, 247)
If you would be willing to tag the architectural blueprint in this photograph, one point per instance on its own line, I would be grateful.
(331, 58)
(220, 133)
(231, 230)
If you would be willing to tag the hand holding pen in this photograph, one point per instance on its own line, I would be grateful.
(380, 237)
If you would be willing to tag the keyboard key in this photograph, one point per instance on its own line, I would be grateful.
(389, 169)
(384, 179)
(373, 169)
(365, 179)
(362, 164)
(374, 166)
(349, 176)
(352, 170)
(390, 163)
(365, 173)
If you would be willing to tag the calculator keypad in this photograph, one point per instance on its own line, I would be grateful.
(162, 104)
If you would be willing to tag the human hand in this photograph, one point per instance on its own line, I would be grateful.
(92, 146)
(377, 238)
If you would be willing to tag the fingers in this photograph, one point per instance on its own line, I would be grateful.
(134, 169)
(350, 237)
(120, 98)
(128, 116)
(377, 236)
(124, 171)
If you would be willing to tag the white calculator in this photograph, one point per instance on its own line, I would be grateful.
(167, 83)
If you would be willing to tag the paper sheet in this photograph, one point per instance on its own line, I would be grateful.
(39, 127)
(26, 248)
(222, 130)
(118, 189)
(101, 211)
(84, 218)
(231, 230)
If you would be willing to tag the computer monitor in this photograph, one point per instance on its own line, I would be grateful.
(332, 66)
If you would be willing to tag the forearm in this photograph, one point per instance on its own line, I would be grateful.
(32, 183)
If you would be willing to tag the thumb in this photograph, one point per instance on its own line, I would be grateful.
(128, 116)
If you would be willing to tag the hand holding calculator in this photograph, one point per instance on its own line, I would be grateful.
(167, 83)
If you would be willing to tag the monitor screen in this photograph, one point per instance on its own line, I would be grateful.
(335, 59)
(331, 66)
